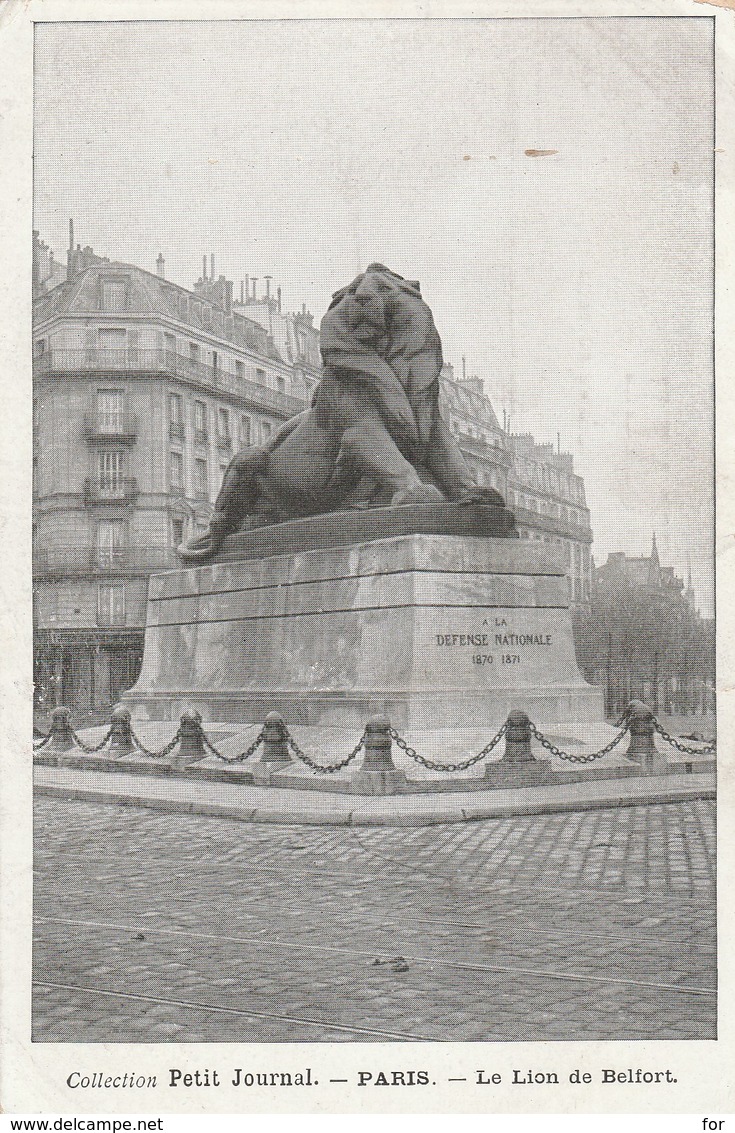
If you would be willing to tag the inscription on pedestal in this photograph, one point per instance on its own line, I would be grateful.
(496, 643)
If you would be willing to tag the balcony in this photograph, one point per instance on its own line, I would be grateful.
(64, 363)
(120, 427)
(540, 522)
(106, 492)
(59, 561)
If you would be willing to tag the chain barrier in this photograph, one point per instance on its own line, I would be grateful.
(156, 754)
(577, 758)
(413, 754)
(235, 758)
(89, 750)
(709, 749)
(325, 769)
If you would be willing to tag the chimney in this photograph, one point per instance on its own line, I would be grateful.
(71, 235)
(464, 368)
(204, 269)
(255, 280)
(160, 262)
(268, 279)
(242, 293)
(211, 264)
(278, 293)
(247, 286)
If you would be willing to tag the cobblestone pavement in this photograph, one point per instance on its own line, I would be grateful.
(174, 928)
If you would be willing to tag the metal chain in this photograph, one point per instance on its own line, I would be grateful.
(709, 749)
(327, 769)
(576, 758)
(156, 754)
(86, 747)
(413, 754)
(235, 758)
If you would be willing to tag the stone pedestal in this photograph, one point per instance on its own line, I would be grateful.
(432, 630)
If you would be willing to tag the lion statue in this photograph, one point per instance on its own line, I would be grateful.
(373, 435)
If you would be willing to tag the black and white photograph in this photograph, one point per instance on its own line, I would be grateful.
(374, 644)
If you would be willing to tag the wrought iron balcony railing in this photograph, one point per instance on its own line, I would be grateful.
(59, 560)
(63, 362)
(110, 426)
(112, 491)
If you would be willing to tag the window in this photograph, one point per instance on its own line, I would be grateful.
(239, 370)
(193, 354)
(184, 307)
(215, 360)
(112, 342)
(113, 294)
(40, 348)
(260, 376)
(265, 430)
(169, 345)
(281, 383)
(245, 427)
(110, 406)
(201, 480)
(207, 316)
(176, 414)
(111, 604)
(110, 465)
(109, 543)
(200, 422)
(223, 423)
(176, 472)
(177, 532)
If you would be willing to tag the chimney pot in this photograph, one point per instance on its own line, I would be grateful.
(204, 269)
(160, 263)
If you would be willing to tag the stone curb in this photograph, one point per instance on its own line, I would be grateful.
(398, 814)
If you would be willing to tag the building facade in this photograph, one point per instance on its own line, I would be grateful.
(143, 390)
(538, 483)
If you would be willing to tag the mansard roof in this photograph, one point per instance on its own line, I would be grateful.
(147, 294)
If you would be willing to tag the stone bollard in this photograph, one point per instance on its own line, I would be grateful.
(275, 755)
(378, 774)
(61, 731)
(642, 747)
(191, 746)
(518, 766)
(121, 740)
(518, 738)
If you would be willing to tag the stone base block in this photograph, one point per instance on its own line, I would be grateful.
(526, 773)
(378, 783)
(266, 774)
(430, 630)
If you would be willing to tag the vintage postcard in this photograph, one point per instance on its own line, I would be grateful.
(366, 487)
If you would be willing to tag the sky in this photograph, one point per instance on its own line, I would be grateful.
(577, 283)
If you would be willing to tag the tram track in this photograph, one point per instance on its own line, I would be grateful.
(246, 1012)
(524, 929)
(430, 961)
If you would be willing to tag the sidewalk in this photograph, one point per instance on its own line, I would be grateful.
(280, 805)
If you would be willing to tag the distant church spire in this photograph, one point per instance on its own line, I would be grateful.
(654, 568)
